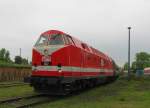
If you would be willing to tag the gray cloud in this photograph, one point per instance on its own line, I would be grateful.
(100, 23)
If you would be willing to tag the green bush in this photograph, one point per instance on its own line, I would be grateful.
(4, 64)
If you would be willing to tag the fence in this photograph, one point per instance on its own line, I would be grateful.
(13, 73)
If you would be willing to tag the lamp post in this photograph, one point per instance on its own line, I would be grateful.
(129, 29)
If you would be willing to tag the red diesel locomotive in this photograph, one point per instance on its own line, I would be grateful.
(62, 64)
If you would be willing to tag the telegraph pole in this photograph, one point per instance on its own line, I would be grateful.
(129, 72)
(20, 52)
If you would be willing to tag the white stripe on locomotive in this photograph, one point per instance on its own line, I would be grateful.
(69, 69)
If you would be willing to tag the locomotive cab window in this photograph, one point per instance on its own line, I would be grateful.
(55, 39)
(43, 40)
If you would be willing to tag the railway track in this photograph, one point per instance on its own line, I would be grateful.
(6, 85)
(27, 101)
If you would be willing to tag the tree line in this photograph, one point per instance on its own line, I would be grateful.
(141, 61)
(5, 58)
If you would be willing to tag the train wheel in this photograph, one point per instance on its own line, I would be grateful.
(67, 88)
(83, 84)
(36, 88)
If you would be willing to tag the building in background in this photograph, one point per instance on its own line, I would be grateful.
(147, 71)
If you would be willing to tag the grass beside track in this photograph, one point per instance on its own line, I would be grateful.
(120, 94)
(15, 91)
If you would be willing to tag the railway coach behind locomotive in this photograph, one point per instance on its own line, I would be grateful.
(62, 64)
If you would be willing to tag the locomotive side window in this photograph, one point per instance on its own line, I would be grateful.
(66, 39)
(70, 40)
(84, 46)
(56, 39)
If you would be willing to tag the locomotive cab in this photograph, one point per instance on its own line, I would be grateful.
(50, 57)
(54, 39)
(46, 45)
(49, 44)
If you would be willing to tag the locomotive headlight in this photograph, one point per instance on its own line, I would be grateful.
(59, 68)
(60, 71)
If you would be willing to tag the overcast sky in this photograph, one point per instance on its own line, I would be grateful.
(100, 23)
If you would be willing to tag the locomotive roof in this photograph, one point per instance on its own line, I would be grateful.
(53, 32)
(95, 51)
